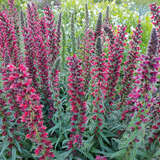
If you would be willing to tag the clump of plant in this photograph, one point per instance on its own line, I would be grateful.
(97, 104)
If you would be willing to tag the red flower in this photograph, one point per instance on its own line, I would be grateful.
(26, 106)
(78, 105)
(155, 127)
(101, 158)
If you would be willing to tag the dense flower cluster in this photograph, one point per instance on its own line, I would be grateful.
(153, 54)
(56, 88)
(14, 17)
(52, 40)
(27, 107)
(8, 43)
(146, 77)
(122, 98)
(98, 77)
(151, 65)
(41, 53)
(114, 61)
(58, 33)
(78, 105)
(155, 10)
(30, 55)
(130, 64)
(87, 53)
(43, 29)
(37, 44)
(98, 83)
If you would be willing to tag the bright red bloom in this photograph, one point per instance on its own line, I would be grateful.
(130, 64)
(78, 105)
(26, 106)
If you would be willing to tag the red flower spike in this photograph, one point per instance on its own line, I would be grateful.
(53, 39)
(78, 105)
(130, 64)
(114, 62)
(98, 76)
(8, 42)
(30, 115)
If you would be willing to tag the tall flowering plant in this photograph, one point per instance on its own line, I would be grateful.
(98, 78)
(130, 64)
(98, 73)
(87, 47)
(53, 39)
(27, 110)
(38, 38)
(115, 56)
(155, 9)
(146, 76)
(8, 45)
(78, 105)
(140, 101)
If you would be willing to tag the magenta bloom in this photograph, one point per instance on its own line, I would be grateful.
(8, 40)
(53, 38)
(98, 73)
(27, 108)
(114, 61)
(78, 105)
(100, 158)
(88, 47)
(130, 64)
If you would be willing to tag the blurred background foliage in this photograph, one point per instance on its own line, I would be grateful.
(19, 3)
(126, 12)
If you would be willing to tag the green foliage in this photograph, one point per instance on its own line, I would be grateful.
(18, 3)
(107, 142)
(124, 13)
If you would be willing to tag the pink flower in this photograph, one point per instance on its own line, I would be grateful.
(78, 105)
(26, 106)
(101, 158)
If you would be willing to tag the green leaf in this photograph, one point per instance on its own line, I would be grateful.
(104, 137)
(88, 155)
(101, 142)
(97, 151)
(4, 147)
(119, 153)
(133, 154)
(4, 158)
(58, 140)
(64, 155)
(13, 153)
(156, 154)
(26, 154)
(52, 130)
(142, 154)
(53, 140)
(18, 146)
